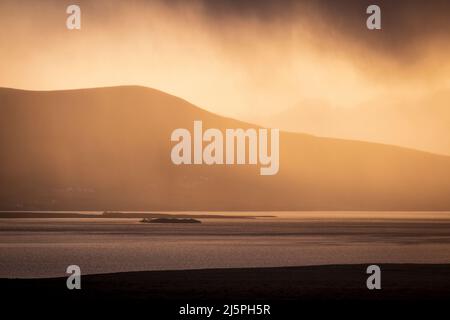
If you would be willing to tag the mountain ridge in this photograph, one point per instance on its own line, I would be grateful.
(109, 149)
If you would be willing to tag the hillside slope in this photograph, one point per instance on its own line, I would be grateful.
(109, 149)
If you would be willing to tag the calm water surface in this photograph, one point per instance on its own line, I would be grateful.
(45, 247)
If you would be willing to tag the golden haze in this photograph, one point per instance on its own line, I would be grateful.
(301, 72)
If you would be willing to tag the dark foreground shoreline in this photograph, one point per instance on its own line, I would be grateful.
(286, 289)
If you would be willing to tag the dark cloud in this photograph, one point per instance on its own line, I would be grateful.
(406, 25)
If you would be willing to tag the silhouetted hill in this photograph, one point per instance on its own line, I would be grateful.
(109, 149)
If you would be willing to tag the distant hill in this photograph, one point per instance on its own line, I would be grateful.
(109, 149)
(421, 124)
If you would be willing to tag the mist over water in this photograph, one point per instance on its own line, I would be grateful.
(45, 247)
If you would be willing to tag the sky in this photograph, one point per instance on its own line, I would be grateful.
(305, 66)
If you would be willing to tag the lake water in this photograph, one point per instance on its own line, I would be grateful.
(45, 247)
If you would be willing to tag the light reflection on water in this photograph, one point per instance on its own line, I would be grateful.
(44, 247)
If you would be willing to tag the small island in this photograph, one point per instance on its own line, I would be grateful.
(169, 220)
